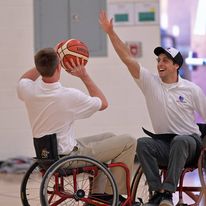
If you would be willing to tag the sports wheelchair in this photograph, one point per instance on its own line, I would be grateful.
(194, 193)
(70, 180)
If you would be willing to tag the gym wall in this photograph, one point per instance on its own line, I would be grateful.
(127, 112)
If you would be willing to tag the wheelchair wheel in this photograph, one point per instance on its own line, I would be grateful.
(202, 171)
(30, 186)
(139, 187)
(73, 181)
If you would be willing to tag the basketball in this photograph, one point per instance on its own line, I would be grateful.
(71, 49)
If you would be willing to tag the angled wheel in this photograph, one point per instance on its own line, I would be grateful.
(202, 171)
(73, 181)
(139, 188)
(30, 186)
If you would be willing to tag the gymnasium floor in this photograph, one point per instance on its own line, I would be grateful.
(10, 184)
(9, 189)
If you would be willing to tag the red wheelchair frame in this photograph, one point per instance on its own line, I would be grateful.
(40, 177)
(139, 187)
(59, 182)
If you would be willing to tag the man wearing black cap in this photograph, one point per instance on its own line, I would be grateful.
(172, 103)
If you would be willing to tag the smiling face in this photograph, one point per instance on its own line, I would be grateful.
(167, 69)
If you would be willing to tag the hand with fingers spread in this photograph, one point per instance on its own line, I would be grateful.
(106, 24)
(77, 69)
(120, 47)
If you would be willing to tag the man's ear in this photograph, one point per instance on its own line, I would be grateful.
(59, 67)
(177, 66)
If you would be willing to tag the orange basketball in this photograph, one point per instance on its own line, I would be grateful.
(71, 49)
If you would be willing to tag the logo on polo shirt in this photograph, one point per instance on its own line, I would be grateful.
(181, 99)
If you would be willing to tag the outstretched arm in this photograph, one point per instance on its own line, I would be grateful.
(120, 47)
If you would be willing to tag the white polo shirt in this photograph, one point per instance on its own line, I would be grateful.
(53, 108)
(172, 107)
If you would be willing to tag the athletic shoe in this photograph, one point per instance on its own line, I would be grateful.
(154, 200)
(166, 199)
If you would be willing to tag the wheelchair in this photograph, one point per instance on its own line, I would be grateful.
(195, 193)
(70, 180)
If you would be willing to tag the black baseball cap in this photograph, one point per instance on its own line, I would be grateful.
(172, 53)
